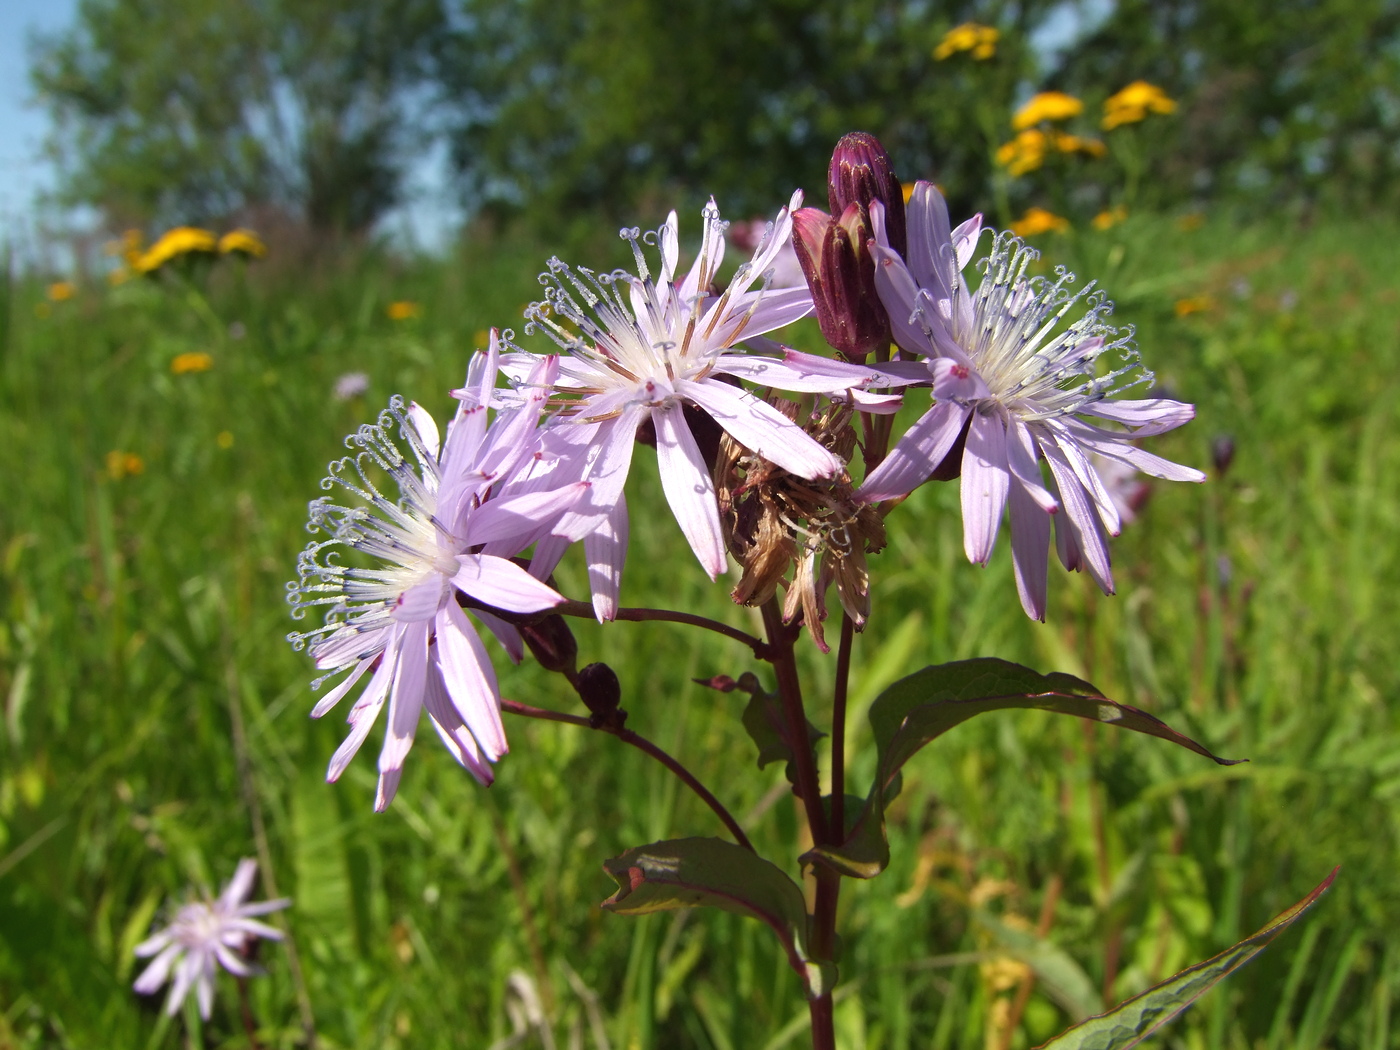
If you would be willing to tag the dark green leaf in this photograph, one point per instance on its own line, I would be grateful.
(694, 872)
(1140, 1016)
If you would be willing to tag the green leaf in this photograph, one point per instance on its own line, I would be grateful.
(695, 872)
(1137, 1018)
(1063, 979)
(764, 722)
(922, 707)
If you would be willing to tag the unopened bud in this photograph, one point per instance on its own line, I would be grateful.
(601, 693)
(551, 642)
(861, 172)
(1222, 453)
(840, 273)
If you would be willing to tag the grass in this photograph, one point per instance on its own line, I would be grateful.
(142, 620)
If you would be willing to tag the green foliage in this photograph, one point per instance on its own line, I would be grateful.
(1256, 613)
(185, 111)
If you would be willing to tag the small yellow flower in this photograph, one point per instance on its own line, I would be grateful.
(1038, 220)
(224, 439)
(1110, 217)
(1048, 105)
(1075, 144)
(61, 290)
(1025, 152)
(245, 242)
(124, 465)
(979, 39)
(1133, 103)
(1195, 304)
(182, 240)
(192, 361)
(403, 310)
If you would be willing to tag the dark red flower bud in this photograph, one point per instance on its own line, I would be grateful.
(861, 172)
(1222, 453)
(840, 273)
(552, 643)
(601, 693)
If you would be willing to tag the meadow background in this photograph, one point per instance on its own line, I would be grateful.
(155, 721)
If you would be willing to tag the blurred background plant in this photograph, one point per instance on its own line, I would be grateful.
(161, 453)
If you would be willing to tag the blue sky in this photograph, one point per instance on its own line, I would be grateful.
(23, 172)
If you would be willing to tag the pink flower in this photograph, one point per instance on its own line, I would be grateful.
(1021, 388)
(463, 510)
(203, 933)
(641, 348)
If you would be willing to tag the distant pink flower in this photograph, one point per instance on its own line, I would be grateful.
(1021, 388)
(461, 512)
(203, 933)
(641, 348)
(350, 385)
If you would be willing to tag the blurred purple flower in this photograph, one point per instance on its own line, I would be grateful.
(1016, 390)
(203, 933)
(462, 511)
(351, 384)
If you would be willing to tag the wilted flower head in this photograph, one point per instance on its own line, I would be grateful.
(979, 39)
(1016, 387)
(203, 933)
(464, 506)
(174, 244)
(1046, 106)
(1133, 103)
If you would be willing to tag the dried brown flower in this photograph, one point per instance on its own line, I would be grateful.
(804, 535)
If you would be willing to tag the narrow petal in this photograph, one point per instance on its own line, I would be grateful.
(505, 633)
(470, 680)
(917, 454)
(420, 602)
(517, 516)
(502, 584)
(1079, 508)
(451, 730)
(425, 426)
(241, 884)
(1147, 417)
(1021, 458)
(1030, 549)
(985, 481)
(606, 551)
(758, 425)
(344, 686)
(363, 714)
(158, 972)
(405, 705)
(686, 481)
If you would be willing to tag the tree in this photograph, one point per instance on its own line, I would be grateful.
(183, 110)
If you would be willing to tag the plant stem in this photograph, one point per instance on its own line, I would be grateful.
(641, 743)
(637, 615)
(246, 1010)
(790, 690)
(823, 1023)
(838, 730)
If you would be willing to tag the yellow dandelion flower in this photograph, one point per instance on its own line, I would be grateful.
(1195, 304)
(224, 439)
(1133, 103)
(1048, 105)
(403, 310)
(191, 361)
(1038, 220)
(182, 240)
(60, 291)
(979, 39)
(244, 242)
(1025, 152)
(124, 465)
(1076, 144)
(1110, 217)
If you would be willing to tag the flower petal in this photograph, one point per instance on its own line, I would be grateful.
(606, 551)
(502, 584)
(405, 705)
(470, 680)
(917, 455)
(985, 481)
(685, 479)
(1030, 549)
(758, 425)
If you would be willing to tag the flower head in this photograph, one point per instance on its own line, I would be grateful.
(463, 510)
(1046, 106)
(350, 385)
(191, 361)
(174, 244)
(402, 310)
(979, 39)
(243, 242)
(1133, 103)
(1016, 385)
(1038, 220)
(646, 347)
(205, 932)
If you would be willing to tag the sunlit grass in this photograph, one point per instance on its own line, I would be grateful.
(143, 608)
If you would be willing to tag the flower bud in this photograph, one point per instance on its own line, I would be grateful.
(1222, 453)
(840, 273)
(601, 693)
(551, 642)
(861, 172)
